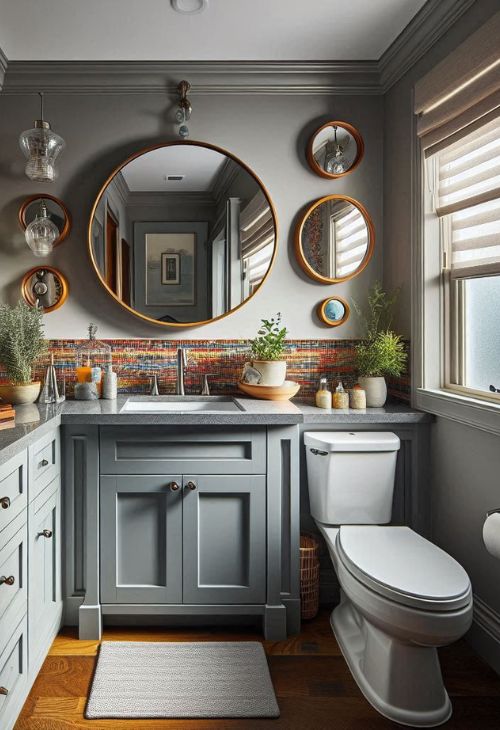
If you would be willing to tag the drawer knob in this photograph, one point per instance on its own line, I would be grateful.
(4, 691)
(173, 486)
(45, 533)
(44, 462)
(8, 580)
(5, 502)
(191, 486)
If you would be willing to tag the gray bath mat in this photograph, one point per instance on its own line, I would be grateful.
(175, 680)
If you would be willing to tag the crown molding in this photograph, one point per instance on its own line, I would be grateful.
(3, 67)
(425, 28)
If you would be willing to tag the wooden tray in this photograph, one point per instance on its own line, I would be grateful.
(271, 392)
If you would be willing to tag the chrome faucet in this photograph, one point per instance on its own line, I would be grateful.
(181, 365)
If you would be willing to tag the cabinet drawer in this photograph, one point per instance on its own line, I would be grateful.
(13, 492)
(13, 675)
(13, 583)
(44, 457)
(167, 450)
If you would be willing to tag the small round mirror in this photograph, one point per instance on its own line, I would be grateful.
(44, 287)
(335, 149)
(334, 239)
(333, 311)
(56, 211)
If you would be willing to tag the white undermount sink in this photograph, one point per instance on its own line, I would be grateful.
(181, 404)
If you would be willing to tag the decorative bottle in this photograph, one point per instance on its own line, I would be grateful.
(92, 356)
(323, 395)
(340, 397)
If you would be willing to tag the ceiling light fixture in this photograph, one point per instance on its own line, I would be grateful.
(189, 7)
(185, 109)
(41, 146)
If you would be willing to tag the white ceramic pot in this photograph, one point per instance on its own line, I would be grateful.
(272, 372)
(376, 391)
(19, 394)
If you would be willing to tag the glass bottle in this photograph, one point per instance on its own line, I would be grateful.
(340, 397)
(92, 356)
(323, 397)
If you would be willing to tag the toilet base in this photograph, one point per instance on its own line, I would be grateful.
(402, 681)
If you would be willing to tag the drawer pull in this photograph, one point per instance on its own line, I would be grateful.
(173, 486)
(191, 486)
(44, 462)
(45, 533)
(8, 580)
(5, 502)
(4, 691)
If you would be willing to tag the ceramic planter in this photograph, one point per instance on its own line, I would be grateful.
(272, 372)
(20, 394)
(376, 391)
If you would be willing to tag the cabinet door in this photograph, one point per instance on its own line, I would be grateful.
(141, 539)
(45, 600)
(224, 539)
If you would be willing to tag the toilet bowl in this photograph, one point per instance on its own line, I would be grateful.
(401, 595)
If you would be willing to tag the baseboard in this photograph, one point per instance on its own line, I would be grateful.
(484, 634)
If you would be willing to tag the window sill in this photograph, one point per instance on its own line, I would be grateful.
(472, 412)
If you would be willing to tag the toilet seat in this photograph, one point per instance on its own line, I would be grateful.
(404, 567)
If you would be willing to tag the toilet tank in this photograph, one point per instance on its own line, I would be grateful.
(351, 476)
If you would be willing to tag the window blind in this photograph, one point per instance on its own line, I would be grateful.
(468, 194)
(256, 225)
(351, 240)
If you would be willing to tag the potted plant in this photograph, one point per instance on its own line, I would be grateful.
(382, 352)
(21, 344)
(267, 351)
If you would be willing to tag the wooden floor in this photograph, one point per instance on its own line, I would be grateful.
(314, 688)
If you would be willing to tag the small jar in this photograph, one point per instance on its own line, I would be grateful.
(357, 398)
(340, 398)
(323, 396)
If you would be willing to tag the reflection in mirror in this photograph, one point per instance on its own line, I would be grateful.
(44, 287)
(182, 233)
(333, 311)
(335, 239)
(55, 209)
(335, 149)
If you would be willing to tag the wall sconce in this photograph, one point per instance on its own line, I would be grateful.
(41, 146)
(41, 233)
(185, 108)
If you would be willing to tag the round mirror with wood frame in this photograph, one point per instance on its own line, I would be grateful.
(333, 311)
(334, 239)
(335, 149)
(44, 287)
(182, 233)
(57, 212)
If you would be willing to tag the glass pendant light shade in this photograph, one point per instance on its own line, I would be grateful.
(41, 233)
(336, 162)
(41, 146)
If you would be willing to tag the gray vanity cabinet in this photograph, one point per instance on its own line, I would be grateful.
(141, 539)
(224, 539)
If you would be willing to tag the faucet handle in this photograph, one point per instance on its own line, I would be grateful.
(206, 388)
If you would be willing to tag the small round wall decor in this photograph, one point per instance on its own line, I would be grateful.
(333, 311)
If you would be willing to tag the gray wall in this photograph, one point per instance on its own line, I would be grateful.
(465, 462)
(269, 133)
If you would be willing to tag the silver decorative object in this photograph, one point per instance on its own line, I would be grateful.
(50, 391)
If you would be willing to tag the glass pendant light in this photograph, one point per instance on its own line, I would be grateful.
(41, 146)
(335, 162)
(41, 233)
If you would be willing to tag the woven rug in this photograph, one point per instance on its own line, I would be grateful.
(181, 680)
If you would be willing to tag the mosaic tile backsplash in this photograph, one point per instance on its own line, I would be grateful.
(135, 361)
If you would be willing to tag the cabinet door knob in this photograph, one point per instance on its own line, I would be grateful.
(191, 486)
(5, 502)
(8, 580)
(45, 533)
(44, 462)
(4, 691)
(173, 486)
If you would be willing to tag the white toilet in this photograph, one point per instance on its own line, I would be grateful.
(401, 595)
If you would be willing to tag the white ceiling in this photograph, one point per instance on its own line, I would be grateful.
(199, 165)
(238, 30)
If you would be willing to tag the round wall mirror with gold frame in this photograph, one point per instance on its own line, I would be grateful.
(44, 287)
(56, 210)
(182, 233)
(335, 149)
(334, 239)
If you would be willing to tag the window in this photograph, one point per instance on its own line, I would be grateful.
(257, 242)
(464, 197)
(349, 237)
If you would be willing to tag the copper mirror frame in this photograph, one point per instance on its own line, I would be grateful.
(299, 252)
(102, 190)
(66, 227)
(321, 311)
(359, 152)
(62, 288)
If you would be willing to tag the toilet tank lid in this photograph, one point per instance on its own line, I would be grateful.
(352, 440)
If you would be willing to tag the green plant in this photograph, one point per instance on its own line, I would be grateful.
(378, 317)
(270, 341)
(21, 341)
(385, 354)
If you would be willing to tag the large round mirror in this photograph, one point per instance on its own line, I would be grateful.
(334, 240)
(182, 233)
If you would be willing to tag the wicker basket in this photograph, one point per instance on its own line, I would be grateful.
(309, 576)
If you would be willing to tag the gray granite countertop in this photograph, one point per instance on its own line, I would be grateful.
(34, 420)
